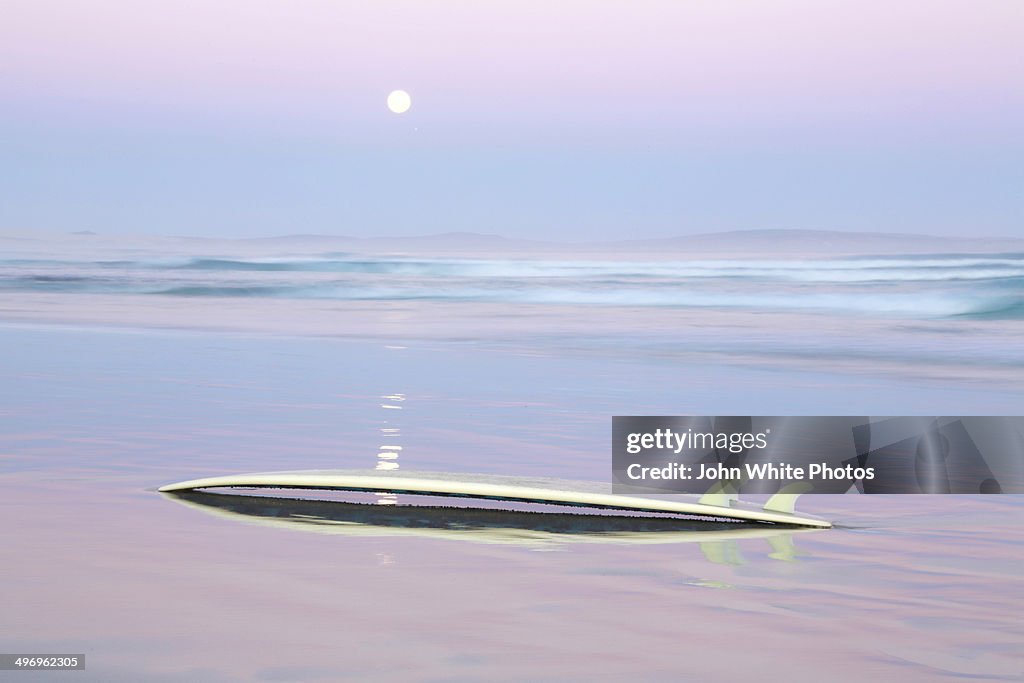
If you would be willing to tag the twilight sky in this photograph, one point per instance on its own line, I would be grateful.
(572, 120)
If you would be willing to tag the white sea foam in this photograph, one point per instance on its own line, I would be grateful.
(907, 286)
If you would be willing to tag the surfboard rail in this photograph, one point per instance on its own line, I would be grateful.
(493, 487)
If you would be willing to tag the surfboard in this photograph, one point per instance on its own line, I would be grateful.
(505, 488)
(537, 530)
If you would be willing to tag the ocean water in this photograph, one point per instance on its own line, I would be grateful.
(987, 286)
(122, 372)
(953, 315)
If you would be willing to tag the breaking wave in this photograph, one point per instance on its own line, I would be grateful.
(987, 286)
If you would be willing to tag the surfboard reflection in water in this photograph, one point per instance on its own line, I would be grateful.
(490, 525)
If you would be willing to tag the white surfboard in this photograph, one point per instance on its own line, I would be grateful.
(489, 526)
(503, 488)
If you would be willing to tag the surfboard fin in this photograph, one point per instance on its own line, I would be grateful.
(721, 494)
(785, 499)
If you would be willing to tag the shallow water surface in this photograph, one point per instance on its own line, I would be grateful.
(95, 561)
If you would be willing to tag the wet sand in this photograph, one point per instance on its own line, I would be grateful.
(95, 561)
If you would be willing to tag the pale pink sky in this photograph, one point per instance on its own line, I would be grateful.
(904, 81)
(466, 59)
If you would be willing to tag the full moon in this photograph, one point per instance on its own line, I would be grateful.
(399, 101)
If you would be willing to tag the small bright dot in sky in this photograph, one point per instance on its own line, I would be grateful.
(399, 101)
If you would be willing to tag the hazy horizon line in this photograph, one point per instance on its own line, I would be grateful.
(467, 234)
